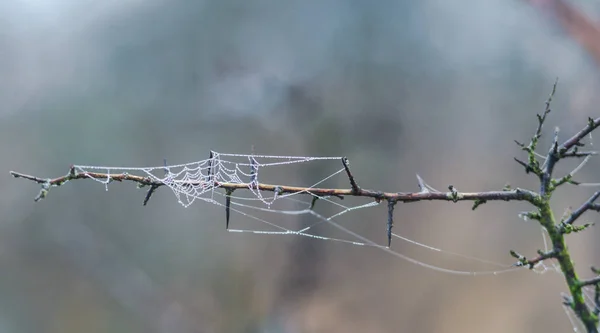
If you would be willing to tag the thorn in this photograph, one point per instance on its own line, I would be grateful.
(149, 194)
(72, 171)
(355, 187)
(228, 194)
(478, 203)
(210, 166)
(253, 169)
(555, 143)
(313, 202)
(528, 168)
(390, 222)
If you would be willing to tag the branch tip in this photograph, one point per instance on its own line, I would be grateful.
(523, 261)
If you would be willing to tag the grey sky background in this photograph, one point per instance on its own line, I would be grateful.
(431, 87)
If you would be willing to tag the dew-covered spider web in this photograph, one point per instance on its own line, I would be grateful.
(266, 193)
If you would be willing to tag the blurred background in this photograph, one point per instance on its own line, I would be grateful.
(432, 87)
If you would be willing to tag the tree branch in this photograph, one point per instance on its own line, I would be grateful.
(532, 262)
(453, 195)
(588, 205)
(576, 139)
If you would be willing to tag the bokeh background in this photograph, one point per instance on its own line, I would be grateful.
(432, 87)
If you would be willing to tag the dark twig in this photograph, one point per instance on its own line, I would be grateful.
(533, 164)
(390, 221)
(527, 167)
(210, 167)
(353, 184)
(576, 153)
(568, 178)
(228, 193)
(253, 169)
(589, 204)
(575, 139)
(149, 194)
(153, 188)
(596, 293)
(532, 262)
(590, 282)
(542, 119)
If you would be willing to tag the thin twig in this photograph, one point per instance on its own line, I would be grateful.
(589, 204)
(590, 282)
(531, 263)
(575, 139)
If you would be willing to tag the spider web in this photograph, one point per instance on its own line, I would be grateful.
(210, 180)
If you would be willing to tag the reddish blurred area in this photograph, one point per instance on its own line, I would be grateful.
(581, 26)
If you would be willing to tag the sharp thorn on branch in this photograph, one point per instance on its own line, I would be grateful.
(353, 184)
(253, 169)
(313, 202)
(528, 168)
(555, 142)
(477, 203)
(390, 221)
(228, 193)
(210, 167)
(149, 193)
(227, 212)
